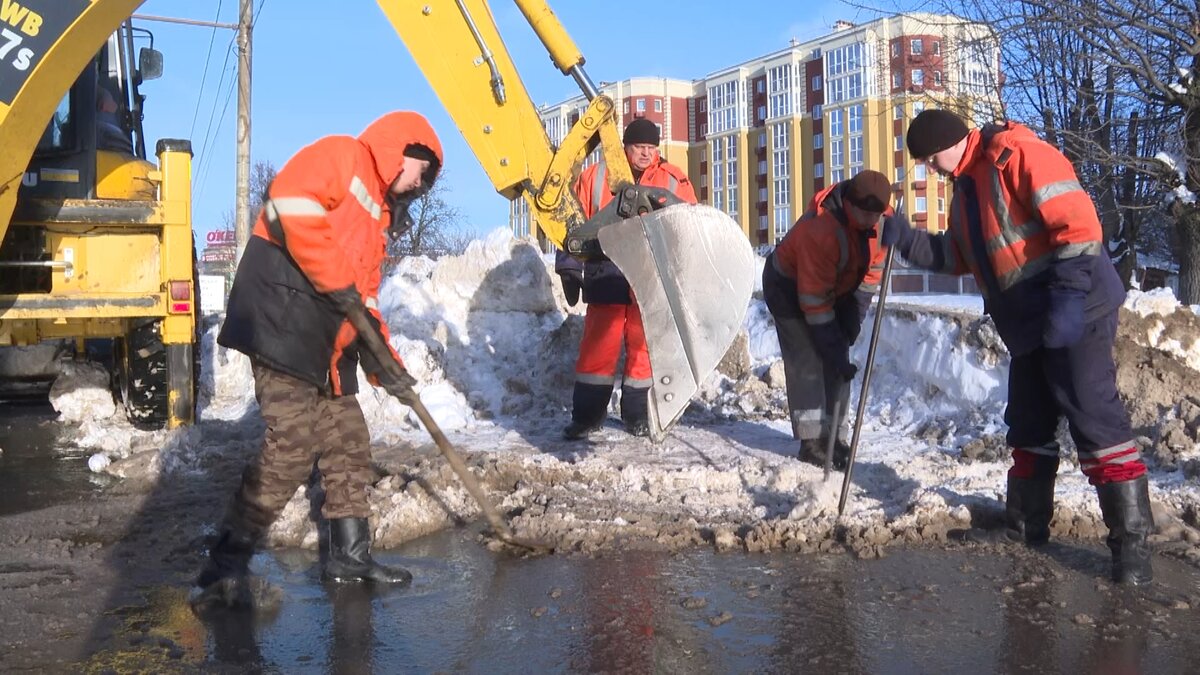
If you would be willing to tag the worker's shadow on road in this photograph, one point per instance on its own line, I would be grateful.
(154, 559)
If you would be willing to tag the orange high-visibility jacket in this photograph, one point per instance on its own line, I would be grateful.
(603, 283)
(1030, 207)
(1021, 222)
(827, 256)
(327, 212)
(592, 186)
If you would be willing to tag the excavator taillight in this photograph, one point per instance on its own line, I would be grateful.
(181, 296)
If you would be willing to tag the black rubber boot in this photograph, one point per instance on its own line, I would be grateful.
(635, 410)
(1029, 506)
(589, 407)
(812, 450)
(350, 555)
(1126, 509)
(229, 558)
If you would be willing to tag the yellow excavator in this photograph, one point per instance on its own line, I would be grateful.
(120, 265)
(96, 239)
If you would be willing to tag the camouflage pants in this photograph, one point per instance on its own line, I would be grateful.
(304, 424)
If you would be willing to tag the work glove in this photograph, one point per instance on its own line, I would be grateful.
(396, 380)
(347, 300)
(897, 231)
(847, 370)
(1064, 318)
(572, 283)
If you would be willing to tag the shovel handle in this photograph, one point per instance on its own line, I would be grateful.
(374, 343)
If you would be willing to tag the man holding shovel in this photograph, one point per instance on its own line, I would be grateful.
(818, 284)
(314, 260)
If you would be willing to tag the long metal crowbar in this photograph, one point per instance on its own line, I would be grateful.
(866, 382)
(382, 354)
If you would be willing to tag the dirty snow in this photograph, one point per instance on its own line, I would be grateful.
(492, 343)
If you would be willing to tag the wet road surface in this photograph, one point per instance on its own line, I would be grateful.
(969, 609)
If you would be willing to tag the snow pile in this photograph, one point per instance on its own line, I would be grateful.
(492, 344)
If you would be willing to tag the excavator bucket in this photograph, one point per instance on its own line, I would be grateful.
(692, 271)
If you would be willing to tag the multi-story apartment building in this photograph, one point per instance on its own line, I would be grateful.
(760, 138)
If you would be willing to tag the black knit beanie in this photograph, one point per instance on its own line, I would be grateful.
(641, 130)
(933, 131)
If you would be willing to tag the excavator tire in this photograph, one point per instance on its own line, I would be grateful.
(141, 367)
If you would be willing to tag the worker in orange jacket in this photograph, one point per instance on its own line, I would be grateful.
(315, 257)
(1024, 226)
(818, 284)
(612, 315)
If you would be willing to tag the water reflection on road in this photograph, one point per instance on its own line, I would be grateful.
(965, 610)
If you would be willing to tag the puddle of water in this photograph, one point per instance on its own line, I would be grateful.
(35, 471)
(963, 610)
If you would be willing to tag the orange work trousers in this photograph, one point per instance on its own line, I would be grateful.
(605, 328)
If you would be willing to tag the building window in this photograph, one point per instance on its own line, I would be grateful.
(762, 193)
(856, 149)
(626, 106)
(704, 180)
(761, 113)
(900, 174)
(835, 123)
(837, 152)
(819, 170)
(919, 172)
(816, 83)
(918, 76)
(779, 91)
(920, 205)
(837, 175)
(898, 112)
(780, 137)
(762, 222)
(918, 107)
(641, 105)
(917, 47)
(762, 167)
(937, 78)
(783, 220)
(724, 113)
(760, 86)
(896, 49)
(658, 105)
(818, 141)
(899, 142)
(854, 116)
(817, 111)
(936, 47)
(941, 204)
(897, 80)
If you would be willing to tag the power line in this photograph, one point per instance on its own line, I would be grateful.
(207, 58)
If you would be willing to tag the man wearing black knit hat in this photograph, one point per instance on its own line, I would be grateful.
(818, 284)
(613, 317)
(1024, 226)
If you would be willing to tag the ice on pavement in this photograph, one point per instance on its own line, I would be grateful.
(492, 343)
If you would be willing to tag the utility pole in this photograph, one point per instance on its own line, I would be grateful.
(242, 211)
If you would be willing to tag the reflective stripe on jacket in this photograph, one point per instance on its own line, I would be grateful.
(1020, 221)
(827, 257)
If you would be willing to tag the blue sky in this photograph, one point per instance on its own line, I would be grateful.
(326, 67)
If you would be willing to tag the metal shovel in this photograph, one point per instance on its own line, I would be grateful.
(373, 342)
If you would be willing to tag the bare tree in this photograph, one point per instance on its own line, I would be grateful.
(436, 229)
(261, 175)
(1110, 83)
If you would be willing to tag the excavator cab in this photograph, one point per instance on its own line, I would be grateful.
(98, 249)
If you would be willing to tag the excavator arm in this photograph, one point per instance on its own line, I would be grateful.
(690, 267)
